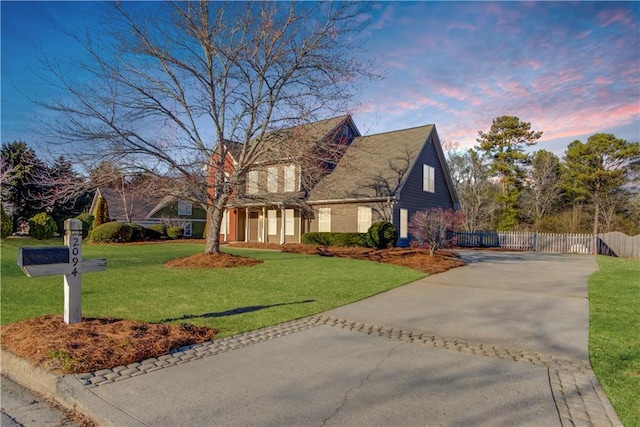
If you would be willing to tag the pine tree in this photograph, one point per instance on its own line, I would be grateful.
(102, 213)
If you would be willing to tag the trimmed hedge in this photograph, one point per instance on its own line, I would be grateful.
(333, 239)
(175, 232)
(42, 226)
(160, 229)
(112, 232)
(87, 223)
(382, 235)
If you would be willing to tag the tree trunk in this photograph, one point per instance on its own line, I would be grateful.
(214, 223)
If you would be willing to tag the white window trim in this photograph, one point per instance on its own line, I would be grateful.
(404, 218)
(290, 224)
(364, 219)
(428, 178)
(185, 208)
(187, 227)
(290, 178)
(272, 179)
(272, 222)
(252, 182)
(324, 220)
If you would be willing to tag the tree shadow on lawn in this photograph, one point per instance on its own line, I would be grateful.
(232, 312)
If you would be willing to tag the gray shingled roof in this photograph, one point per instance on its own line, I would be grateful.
(374, 166)
(140, 207)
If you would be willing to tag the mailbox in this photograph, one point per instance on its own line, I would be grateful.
(43, 255)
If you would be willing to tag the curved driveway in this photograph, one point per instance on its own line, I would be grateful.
(500, 342)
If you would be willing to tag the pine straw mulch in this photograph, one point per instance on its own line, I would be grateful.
(95, 344)
(417, 258)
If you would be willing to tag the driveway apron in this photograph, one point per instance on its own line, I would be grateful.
(500, 342)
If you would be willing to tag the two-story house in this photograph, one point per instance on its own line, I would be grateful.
(325, 176)
(271, 206)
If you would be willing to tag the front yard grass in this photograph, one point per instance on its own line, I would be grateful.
(614, 339)
(137, 286)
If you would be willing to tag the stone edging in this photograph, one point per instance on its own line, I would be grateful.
(578, 395)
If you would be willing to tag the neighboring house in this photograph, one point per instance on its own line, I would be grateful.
(146, 210)
(388, 176)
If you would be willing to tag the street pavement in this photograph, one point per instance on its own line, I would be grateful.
(502, 341)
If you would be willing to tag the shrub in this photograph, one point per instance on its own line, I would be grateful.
(433, 227)
(87, 223)
(42, 226)
(161, 229)
(102, 213)
(333, 239)
(7, 224)
(349, 239)
(175, 232)
(112, 232)
(317, 238)
(156, 232)
(381, 235)
(138, 232)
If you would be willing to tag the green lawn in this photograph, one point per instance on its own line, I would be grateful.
(137, 286)
(614, 342)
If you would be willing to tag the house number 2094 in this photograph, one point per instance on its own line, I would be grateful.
(74, 252)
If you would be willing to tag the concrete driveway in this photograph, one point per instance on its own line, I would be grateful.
(500, 342)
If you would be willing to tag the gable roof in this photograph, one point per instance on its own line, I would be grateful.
(377, 166)
(279, 142)
(140, 207)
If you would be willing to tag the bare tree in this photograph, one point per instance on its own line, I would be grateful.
(171, 82)
(544, 184)
(476, 191)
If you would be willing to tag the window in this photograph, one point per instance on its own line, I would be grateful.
(428, 178)
(185, 208)
(272, 222)
(252, 182)
(289, 222)
(364, 219)
(272, 179)
(186, 226)
(324, 219)
(404, 216)
(290, 178)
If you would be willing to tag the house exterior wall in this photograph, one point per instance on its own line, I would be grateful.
(197, 218)
(412, 196)
(344, 216)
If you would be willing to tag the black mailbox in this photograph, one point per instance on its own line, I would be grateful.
(43, 255)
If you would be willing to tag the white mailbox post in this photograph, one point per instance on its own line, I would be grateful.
(65, 260)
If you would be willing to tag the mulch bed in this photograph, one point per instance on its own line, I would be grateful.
(95, 344)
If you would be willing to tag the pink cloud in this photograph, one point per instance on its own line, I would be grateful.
(611, 16)
(603, 80)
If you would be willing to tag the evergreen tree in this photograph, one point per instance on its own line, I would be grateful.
(505, 145)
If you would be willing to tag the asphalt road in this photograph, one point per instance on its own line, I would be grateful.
(23, 408)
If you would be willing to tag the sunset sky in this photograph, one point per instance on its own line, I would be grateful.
(570, 68)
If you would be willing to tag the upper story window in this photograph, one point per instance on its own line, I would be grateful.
(252, 182)
(185, 208)
(428, 178)
(290, 178)
(272, 179)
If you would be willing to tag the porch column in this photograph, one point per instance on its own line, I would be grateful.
(282, 227)
(265, 225)
(246, 224)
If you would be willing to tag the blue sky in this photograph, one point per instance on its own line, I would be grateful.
(570, 68)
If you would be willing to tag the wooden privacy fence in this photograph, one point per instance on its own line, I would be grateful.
(614, 244)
